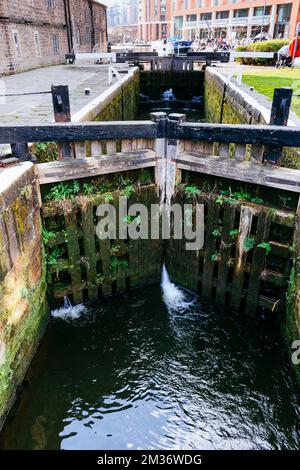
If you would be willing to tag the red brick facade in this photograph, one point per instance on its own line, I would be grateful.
(34, 33)
(240, 19)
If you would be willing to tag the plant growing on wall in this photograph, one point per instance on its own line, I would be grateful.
(266, 246)
(249, 243)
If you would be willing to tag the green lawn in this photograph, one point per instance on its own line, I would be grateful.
(264, 81)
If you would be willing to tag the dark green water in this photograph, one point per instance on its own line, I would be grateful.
(130, 375)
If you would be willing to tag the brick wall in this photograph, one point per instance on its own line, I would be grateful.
(33, 33)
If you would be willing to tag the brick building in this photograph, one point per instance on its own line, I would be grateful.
(189, 19)
(154, 19)
(34, 33)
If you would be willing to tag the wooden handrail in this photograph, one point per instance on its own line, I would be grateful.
(230, 133)
(240, 134)
(69, 132)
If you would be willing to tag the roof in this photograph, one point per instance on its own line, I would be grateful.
(100, 3)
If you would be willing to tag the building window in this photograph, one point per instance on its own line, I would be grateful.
(199, 3)
(191, 18)
(55, 44)
(205, 16)
(50, 4)
(222, 15)
(37, 43)
(242, 13)
(78, 39)
(186, 4)
(284, 13)
(17, 44)
(260, 11)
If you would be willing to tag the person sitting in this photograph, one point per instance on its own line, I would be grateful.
(284, 57)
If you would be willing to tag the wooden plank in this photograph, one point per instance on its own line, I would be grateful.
(134, 253)
(223, 150)
(74, 256)
(240, 152)
(121, 271)
(256, 154)
(240, 133)
(258, 263)
(105, 253)
(126, 145)
(62, 113)
(69, 132)
(241, 255)
(88, 229)
(80, 149)
(209, 247)
(111, 147)
(280, 110)
(225, 250)
(265, 175)
(96, 148)
(88, 167)
(144, 254)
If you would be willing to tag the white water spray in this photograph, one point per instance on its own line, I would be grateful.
(173, 296)
(67, 311)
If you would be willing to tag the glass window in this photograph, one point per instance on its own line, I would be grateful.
(191, 18)
(50, 4)
(37, 43)
(17, 44)
(78, 39)
(222, 15)
(242, 13)
(206, 16)
(259, 11)
(55, 44)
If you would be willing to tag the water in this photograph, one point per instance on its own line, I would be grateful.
(170, 102)
(135, 373)
(173, 296)
(67, 311)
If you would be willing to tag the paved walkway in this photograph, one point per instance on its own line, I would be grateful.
(38, 108)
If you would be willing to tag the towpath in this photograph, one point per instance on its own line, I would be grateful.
(31, 109)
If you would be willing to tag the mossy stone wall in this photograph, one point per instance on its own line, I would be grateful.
(23, 309)
(123, 104)
(236, 110)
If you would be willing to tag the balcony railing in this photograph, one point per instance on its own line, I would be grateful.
(243, 21)
(258, 20)
(221, 22)
(190, 24)
(239, 21)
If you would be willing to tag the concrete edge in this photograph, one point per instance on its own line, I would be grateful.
(95, 107)
(245, 98)
(9, 175)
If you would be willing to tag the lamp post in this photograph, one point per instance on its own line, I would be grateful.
(263, 20)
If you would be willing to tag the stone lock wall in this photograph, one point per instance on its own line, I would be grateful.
(23, 310)
(238, 107)
(119, 102)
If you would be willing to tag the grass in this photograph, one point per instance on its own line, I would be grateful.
(264, 82)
